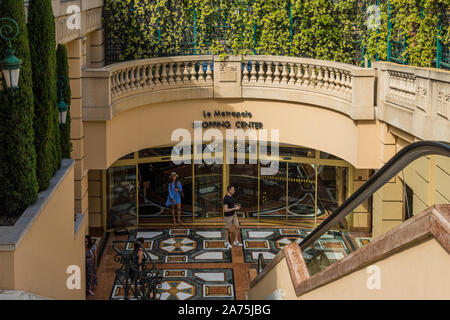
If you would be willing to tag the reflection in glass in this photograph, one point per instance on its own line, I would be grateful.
(296, 152)
(301, 190)
(208, 190)
(324, 155)
(121, 197)
(245, 179)
(272, 195)
(163, 151)
(331, 188)
(153, 191)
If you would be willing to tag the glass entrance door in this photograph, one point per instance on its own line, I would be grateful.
(208, 181)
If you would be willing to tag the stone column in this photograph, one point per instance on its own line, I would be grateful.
(76, 58)
(97, 56)
(388, 201)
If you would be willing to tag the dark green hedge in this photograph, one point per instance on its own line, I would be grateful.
(18, 187)
(62, 69)
(43, 57)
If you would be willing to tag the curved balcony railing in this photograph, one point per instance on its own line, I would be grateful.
(341, 87)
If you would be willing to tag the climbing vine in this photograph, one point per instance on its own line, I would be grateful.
(322, 29)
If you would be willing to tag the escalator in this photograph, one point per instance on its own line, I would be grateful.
(312, 248)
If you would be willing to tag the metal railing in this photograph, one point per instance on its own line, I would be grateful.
(398, 162)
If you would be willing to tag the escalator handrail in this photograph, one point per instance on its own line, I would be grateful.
(397, 163)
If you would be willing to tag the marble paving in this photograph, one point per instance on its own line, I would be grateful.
(190, 284)
(184, 245)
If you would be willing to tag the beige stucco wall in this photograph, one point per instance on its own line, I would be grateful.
(277, 278)
(428, 177)
(302, 125)
(408, 274)
(39, 263)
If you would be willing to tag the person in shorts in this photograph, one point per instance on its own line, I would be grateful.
(231, 220)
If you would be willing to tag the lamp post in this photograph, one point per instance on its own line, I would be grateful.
(63, 107)
(10, 65)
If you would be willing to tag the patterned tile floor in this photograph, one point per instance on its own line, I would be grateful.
(200, 276)
(191, 284)
(184, 245)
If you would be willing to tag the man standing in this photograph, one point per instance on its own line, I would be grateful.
(231, 219)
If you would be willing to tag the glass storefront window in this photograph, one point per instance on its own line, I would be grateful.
(288, 195)
(208, 190)
(162, 152)
(245, 179)
(121, 198)
(301, 190)
(331, 188)
(154, 181)
(128, 156)
(324, 155)
(272, 197)
(296, 152)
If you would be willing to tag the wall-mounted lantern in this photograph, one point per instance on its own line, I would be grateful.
(10, 65)
(63, 107)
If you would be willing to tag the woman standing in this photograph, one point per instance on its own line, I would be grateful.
(174, 198)
(91, 262)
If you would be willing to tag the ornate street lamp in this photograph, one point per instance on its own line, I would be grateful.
(10, 65)
(63, 107)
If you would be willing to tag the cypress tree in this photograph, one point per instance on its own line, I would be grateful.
(62, 69)
(43, 61)
(18, 187)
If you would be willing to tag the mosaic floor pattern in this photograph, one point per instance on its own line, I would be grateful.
(184, 245)
(190, 284)
(268, 242)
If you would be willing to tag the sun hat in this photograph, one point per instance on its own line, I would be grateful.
(174, 174)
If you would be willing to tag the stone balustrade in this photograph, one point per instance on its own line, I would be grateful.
(305, 74)
(415, 100)
(341, 87)
(159, 74)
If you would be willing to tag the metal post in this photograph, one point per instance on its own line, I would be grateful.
(439, 44)
(389, 46)
(195, 31)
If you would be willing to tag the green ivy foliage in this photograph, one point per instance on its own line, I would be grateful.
(62, 69)
(415, 22)
(43, 60)
(322, 29)
(18, 187)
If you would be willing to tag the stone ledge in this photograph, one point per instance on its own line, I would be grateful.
(11, 236)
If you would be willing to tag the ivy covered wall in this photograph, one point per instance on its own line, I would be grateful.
(332, 30)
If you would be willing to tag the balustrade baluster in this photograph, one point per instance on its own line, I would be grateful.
(126, 80)
(291, 80)
(276, 74)
(299, 75)
(170, 75)
(320, 77)
(269, 73)
(193, 72)
(150, 76)
(313, 78)
(326, 78)
(164, 74)
(245, 72)
(284, 74)
(208, 71)
(185, 74)
(157, 74)
(332, 79)
(253, 72)
(306, 76)
(178, 72)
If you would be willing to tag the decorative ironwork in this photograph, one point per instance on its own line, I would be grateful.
(138, 274)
